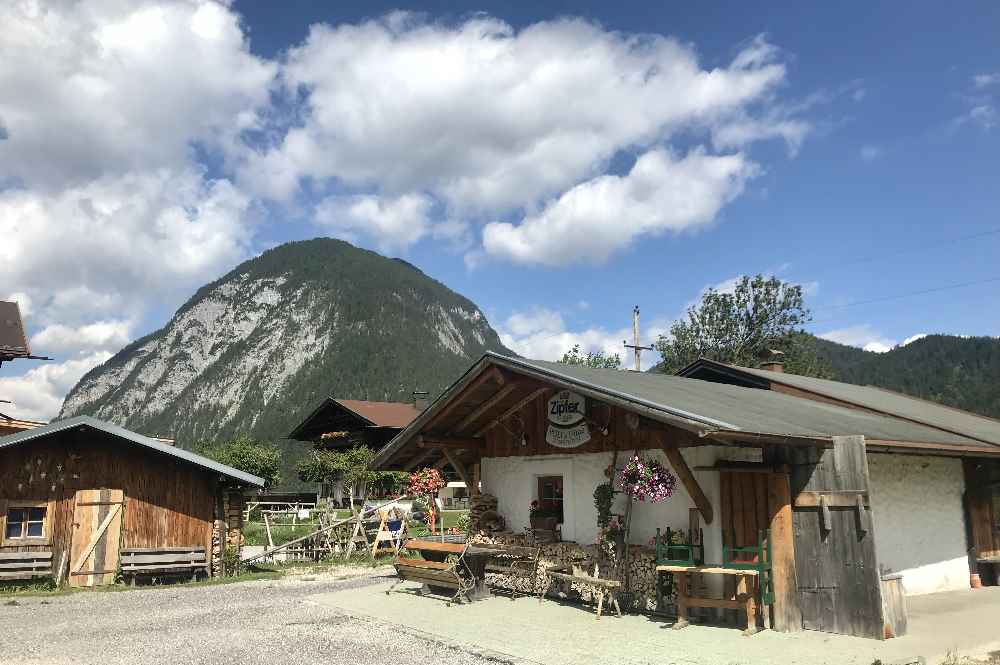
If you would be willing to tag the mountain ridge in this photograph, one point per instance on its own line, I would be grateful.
(255, 350)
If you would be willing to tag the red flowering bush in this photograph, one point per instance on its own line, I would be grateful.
(425, 482)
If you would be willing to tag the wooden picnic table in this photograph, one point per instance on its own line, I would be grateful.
(745, 598)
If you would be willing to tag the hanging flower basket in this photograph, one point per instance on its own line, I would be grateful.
(425, 482)
(647, 480)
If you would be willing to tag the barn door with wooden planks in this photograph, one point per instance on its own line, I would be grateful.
(744, 512)
(839, 583)
(97, 529)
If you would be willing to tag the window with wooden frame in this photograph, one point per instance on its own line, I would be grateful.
(26, 523)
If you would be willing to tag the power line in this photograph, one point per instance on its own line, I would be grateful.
(922, 248)
(898, 296)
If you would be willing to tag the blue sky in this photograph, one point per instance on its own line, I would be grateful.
(557, 163)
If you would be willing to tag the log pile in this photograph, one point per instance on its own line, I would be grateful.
(642, 575)
(479, 505)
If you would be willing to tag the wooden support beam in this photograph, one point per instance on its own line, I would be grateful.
(689, 481)
(514, 409)
(419, 458)
(787, 613)
(454, 443)
(459, 468)
(441, 463)
(492, 375)
(487, 404)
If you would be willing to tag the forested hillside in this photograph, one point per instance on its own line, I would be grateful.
(963, 372)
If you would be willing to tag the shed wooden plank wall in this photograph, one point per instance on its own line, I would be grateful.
(168, 503)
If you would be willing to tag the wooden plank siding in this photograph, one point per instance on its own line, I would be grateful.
(531, 421)
(167, 502)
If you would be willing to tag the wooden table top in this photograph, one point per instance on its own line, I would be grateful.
(706, 569)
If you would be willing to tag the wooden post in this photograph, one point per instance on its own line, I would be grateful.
(787, 614)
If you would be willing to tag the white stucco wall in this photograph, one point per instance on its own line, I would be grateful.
(919, 520)
(514, 481)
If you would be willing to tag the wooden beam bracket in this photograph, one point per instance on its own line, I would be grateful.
(690, 483)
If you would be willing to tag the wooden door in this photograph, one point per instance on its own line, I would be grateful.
(839, 583)
(743, 514)
(97, 529)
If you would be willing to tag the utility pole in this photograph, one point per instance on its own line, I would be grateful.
(635, 346)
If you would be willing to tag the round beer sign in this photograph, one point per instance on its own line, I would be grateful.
(567, 428)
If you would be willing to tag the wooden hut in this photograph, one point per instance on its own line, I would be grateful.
(82, 493)
(848, 494)
(339, 424)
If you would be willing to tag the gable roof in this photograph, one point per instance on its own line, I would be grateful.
(350, 414)
(383, 414)
(914, 409)
(131, 437)
(711, 409)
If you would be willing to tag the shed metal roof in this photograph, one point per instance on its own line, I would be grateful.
(707, 407)
(132, 437)
(879, 399)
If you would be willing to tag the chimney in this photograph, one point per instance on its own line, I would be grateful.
(420, 401)
(773, 361)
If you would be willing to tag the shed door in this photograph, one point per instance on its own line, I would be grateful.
(97, 529)
(835, 564)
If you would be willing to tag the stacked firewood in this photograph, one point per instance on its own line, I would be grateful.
(582, 559)
(479, 506)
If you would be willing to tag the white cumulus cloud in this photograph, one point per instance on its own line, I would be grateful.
(38, 393)
(395, 223)
(541, 333)
(91, 88)
(863, 336)
(596, 218)
(489, 120)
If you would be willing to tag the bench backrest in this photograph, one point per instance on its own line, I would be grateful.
(154, 558)
(25, 565)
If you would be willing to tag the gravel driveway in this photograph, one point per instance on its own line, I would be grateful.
(248, 622)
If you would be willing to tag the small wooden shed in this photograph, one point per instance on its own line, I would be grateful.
(83, 490)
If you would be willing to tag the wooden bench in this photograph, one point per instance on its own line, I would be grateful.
(163, 562)
(25, 565)
(602, 587)
(433, 571)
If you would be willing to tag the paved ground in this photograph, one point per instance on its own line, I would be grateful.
(527, 631)
(265, 622)
(347, 618)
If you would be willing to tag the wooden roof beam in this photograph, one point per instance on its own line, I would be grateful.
(491, 375)
(487, 404)
(418, 459)
(450, 442)
(514, 409)
(461, 470)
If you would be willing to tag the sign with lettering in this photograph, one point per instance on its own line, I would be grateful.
(567, 425)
